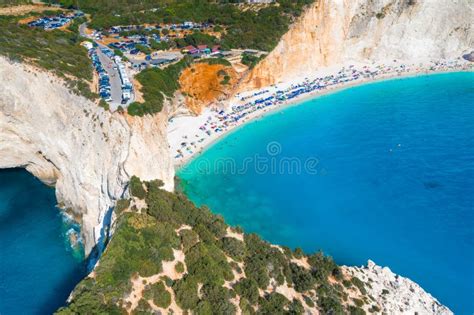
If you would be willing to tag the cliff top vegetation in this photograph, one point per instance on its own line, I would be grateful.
(58, 50)
(260, 29)
(172, 255)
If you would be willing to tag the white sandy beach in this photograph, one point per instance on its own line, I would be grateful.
(190, 135)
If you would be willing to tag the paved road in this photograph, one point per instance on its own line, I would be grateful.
(115, 82)
(108, 64)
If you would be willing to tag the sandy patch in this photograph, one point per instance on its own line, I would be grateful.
(231, 233)
(137, 89)
(302, 262)
(183, 227)
(27, 8)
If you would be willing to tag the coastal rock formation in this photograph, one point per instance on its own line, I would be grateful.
(396, 294)
(336, 33)
(87, 153)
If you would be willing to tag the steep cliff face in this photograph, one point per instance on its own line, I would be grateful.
(341, 32)
(67, 141)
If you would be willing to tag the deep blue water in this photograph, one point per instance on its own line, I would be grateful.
(38, 268)
(394, 179)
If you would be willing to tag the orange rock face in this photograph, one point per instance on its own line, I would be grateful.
(204, 85)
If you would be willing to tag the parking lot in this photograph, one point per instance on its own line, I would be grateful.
(115, 84)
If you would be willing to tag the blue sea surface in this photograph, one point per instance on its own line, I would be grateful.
(386, 172)
(38, 267)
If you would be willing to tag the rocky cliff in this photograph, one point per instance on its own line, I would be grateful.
(67, 141)
(395, 294)
(341, 32)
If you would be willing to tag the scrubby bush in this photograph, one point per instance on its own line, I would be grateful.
(355, 310)
(158, 293)
(248, 289)
(121, 205)
(218, 298)
(188, 238)
(233, 247)
(359, 284)
(330, 305)
(179, 267)
(272, 303)
(136, 188)
(186, 293)
(302, 278)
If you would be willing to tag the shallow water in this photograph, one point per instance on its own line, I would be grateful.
(38, 267)
(383, 171)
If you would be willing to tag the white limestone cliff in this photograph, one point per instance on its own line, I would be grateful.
(65, 140)
(396, 294)
(341, 32)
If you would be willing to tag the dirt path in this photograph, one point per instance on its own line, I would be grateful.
(27, 8)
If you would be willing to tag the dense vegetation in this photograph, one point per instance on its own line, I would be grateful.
(251, 60)
(144, 239)
(58, 51)
(243, 28)
(156, 85)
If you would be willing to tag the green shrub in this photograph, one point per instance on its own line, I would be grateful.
(272, 303)
(358, 302)
(121, 205)
(104, 104)
(216, 61)
(179, 267)
(233, 247)
(296, 307)
(308, 301)
(188, 238)
(354, 310)
(251, 60)
(302, 279)
(359, 284)
(136, 188)
(208, 264)
(186, 293)
(158, 293)
(118, 52)
(330, 305)
(143, 308)
(248, 289)
(143, 49)
(218, 298)
(246, 307)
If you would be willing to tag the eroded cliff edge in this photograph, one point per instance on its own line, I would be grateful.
(65, 140)
(337, 33)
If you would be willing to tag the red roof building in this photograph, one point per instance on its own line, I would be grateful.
(189, 48)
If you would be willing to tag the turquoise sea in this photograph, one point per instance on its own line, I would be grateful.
(382, 171)
(38, 267)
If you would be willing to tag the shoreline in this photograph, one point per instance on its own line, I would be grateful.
(213, 138)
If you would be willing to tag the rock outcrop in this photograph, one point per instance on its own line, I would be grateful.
(87, 153)
(337, 32)
(396, 294)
